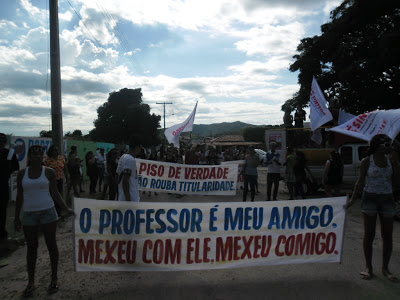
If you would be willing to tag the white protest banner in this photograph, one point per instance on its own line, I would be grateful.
(157, 236)
(365, 126)
(173, 133)
(240, 164)
(319, 113)
(22, 144)
(187, 179)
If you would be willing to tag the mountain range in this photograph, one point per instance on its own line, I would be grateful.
(220, 128)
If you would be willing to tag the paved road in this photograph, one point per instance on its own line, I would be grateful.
(312, 281)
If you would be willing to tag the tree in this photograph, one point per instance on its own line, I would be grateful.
(123, 115)
(46, 134)
(76, 134)
(355, 59)
(257, 134)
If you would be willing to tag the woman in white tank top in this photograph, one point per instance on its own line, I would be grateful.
(376, 173)
(34, 185)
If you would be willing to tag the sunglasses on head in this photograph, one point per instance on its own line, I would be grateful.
(387, 144)
(37, 149)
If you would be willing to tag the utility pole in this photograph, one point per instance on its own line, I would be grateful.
(164, 103)
(56, 107)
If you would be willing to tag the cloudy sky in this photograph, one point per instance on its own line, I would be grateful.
(230, 55)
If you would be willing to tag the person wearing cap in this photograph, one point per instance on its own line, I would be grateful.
(36, 193)
(8, 165)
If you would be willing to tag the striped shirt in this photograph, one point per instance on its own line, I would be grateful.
(57, 164)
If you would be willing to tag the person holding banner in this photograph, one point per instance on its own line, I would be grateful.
(128, 185)
(395, 156)
(36, 189)
(376, 172)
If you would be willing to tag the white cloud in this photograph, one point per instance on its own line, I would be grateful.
(159, 45)
(274, 64)
(13, 56)
(215, 16)
(67, 16)
(7, 23)
(330, 5)
(96, 64)
(38, 14)
(268, 40)
(98, 26)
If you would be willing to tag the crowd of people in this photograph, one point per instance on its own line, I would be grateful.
(40, 187)
(101, 167)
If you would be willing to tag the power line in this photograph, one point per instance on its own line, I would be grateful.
(95, 40)
(114, 27)
(164, 103)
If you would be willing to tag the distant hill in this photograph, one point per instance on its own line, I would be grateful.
(218, 129)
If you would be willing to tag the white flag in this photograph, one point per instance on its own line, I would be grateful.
(365, 126)
(173, 133)
(319, 113)
(344, 117)
(317, 136)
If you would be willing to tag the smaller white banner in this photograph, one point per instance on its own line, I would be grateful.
(187, 179)
(366, 125)
(319, 113)
(240, 164)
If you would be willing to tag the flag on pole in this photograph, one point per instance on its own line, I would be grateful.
(317, 136)
(173, 133)
(319, 113)
(366, 125)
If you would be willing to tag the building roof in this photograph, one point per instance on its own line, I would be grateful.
(229, 138)
(232, 140)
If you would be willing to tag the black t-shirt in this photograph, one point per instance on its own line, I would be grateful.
(7, 166)
(299, 118)
(335, 173)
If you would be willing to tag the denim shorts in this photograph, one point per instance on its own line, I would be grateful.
(32, 218)
(382, 204)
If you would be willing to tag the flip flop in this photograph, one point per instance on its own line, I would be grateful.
(390, 276)
(53, 288)
(366, 275)
(28, 291)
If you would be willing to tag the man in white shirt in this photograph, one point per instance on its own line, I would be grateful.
(128, 186)
(273, 176)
